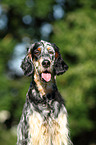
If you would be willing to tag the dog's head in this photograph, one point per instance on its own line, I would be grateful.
(44, 59)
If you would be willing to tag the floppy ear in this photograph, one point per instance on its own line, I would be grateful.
(27, 64)
(60, 66)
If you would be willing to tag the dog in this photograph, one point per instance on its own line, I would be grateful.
(44, 117)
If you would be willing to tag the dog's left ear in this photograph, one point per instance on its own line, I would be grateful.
(60, 66)
(27, 64)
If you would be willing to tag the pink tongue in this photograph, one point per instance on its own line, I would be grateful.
(46, 76)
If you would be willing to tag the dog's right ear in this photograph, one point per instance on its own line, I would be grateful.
(27, 64)
(60, 66)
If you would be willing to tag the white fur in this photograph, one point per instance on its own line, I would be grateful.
(50, 132)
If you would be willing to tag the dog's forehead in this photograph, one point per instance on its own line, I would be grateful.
(44, 45)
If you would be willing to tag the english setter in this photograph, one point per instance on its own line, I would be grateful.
(44, 117)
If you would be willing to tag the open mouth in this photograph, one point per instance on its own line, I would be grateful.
(46, 76)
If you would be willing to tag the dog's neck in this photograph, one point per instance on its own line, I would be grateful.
(44, 87)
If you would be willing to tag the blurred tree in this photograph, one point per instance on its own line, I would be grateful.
(71, 24)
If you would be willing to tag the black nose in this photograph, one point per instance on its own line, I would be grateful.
(46, 63)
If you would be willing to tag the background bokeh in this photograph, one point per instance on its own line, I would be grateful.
(71, 25)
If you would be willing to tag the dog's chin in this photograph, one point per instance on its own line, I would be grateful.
(45, 76)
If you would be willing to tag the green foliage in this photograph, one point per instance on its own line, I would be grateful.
(42, 8)
(7, 137)
(75, 35)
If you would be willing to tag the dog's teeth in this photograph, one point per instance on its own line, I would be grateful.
(46, 76)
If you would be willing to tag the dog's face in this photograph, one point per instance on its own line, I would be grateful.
(44, 59)
(43, 56)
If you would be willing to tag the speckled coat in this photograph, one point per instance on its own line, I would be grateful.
(44, 117)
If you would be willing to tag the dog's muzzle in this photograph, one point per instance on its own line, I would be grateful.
(46, 76)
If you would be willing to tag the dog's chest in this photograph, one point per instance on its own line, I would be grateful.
(49, 132)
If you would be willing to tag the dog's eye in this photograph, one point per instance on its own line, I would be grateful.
(37, 51)
(50, 51)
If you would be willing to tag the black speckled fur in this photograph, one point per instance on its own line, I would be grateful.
(51, 101)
